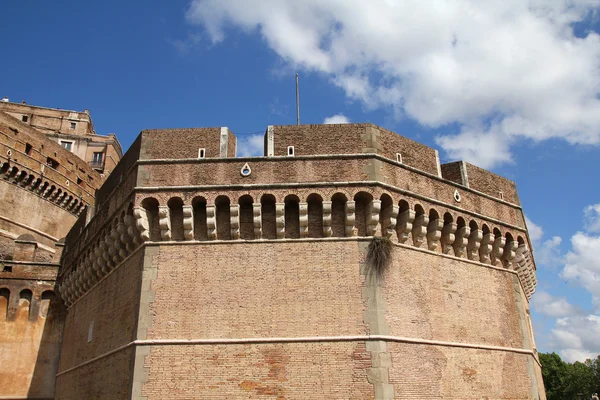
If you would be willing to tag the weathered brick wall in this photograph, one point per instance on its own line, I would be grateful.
(415, 154)
(180, 143)
(319, 139)
(30, 333)
(108, 378)
(308, 289)
(492, 184)
(259, 289)
(24, 213)
(437, 298)
(299, 371)
(452, 172)
(231, 144)
(111, 305)
(434, 372)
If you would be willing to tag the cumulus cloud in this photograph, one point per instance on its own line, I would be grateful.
(582, 264)
(592, 218)
(546, 252)
(535, 231)
(336, 119)
(500, 70)
(250, 145)
(546, 304)
(577, 337)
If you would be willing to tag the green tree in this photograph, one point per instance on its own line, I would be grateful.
(555, 374)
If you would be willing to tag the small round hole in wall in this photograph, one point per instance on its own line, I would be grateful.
(457, 196)
(246, 170)
(67, 183)
(9, 153)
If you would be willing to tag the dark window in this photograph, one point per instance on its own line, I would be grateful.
(7, 268)
(67, 145)
(24, 118)
(79, 181)
(52, 163)
(28, 148)
(73, 125)
(98, 157)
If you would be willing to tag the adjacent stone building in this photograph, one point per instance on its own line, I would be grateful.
(73, 130)
(44, 188)
(201, 275)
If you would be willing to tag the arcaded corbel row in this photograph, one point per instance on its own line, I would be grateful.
(327, 231)
(405, 225)
(234, 221)
(350, 210)
(280, 220)
(448, 237)
(188, 222)
(419, 231)
(434, 233)
(303, 220)
(257, 220)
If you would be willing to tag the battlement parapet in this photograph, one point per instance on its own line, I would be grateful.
(165, 190)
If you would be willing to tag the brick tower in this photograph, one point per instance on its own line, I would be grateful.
(203, 275)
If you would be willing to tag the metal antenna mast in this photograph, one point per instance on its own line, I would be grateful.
(297, 101)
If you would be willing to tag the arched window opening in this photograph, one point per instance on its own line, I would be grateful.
(269, 227)
(200, 229)
(292, 217)
(387, 206)
(473, 226)
(448, 219)
(4, 299)
(485, 229)
(175, 205)
(150, 204)
(4, 168)
(520, 241)
(25, 300)
(362, 200)
(47, 303)
(497, 233)
(315, 216)
(246, 218)
(223, 218)
(338, 215)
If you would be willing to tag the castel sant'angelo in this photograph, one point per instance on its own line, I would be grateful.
(180, 271)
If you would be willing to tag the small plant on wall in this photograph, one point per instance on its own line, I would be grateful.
(379, 257)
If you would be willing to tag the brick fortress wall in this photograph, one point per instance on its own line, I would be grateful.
(242, 286)
(43, 189)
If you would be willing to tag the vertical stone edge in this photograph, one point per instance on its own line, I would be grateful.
(224, 139)
(270, 141)
(463, 174)
(528, 340)
(144, 321)
(374, 319)
(437, 163)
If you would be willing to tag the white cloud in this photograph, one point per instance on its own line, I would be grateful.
(546, 304)
(336, 119)
(592, 218)
(502, 70)
(577, 337)
(535, 231)
(250, 145)
(548, 253)
(582, 264)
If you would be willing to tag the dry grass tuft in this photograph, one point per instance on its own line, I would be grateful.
(379, 257)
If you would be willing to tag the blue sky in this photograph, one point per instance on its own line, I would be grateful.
(509, 85)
